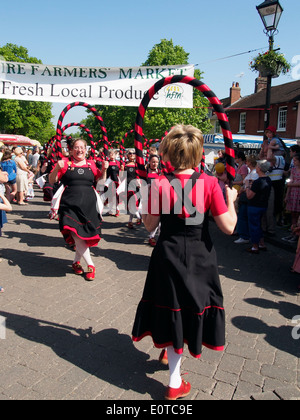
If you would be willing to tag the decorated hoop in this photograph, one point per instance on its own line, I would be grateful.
(214, 101)
(123, 141)
(97, 115)
(52, 143)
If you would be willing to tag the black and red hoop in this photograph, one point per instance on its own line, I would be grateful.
(214, 101)
(98, 117)
(89, 133)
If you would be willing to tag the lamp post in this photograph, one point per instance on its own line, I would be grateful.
(270, 12)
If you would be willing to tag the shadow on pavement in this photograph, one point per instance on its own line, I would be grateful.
(108, 355)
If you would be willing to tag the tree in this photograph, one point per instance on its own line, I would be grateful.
(166, 54)
(120, 120)
(159, 120)
(28, 118)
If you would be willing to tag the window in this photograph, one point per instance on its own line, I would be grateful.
(282, 116)
(242, 122)
(217, 127)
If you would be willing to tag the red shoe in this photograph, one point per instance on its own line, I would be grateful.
(117, 213)
(77, 268)
(175, 393)
(163, 358)
(90, 275)
(152, 242)
(139, 222)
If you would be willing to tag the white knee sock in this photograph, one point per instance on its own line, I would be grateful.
(174, 360)
(82, 251)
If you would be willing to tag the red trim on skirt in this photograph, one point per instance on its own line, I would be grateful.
(91, 242)
(178, 351)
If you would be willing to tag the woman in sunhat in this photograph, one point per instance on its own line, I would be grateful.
(274, 142)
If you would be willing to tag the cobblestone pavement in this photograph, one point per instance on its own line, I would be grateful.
(69, 339)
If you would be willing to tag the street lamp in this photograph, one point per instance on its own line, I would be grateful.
(270, 12)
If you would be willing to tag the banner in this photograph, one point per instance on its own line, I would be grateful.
(123, 86)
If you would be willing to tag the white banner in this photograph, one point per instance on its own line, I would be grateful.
(124, 86)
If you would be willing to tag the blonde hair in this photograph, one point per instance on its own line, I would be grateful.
(18, 151)
(183, 147)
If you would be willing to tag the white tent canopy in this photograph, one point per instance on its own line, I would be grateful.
(243, 139)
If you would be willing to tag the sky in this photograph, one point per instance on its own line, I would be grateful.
(118, 33)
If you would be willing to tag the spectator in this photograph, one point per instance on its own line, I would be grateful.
(241, 170)
(2, 150)
(263, 154)
(294, 150)
(242, 224)
(274, 212)
(4, 206)
(22, 177)
(29, 157)
(36, 164)
(222, 177)
(221, 157)
(292, 197)
(8, 165)
(35, 157)
(296, 266)
(258, 195)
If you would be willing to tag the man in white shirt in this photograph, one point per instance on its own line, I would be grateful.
(35, 158)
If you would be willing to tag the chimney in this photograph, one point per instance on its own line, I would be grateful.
(260, 84)
(235, 93)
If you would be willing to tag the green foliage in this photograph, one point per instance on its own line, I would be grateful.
(270, 63)
(119, 120)
(19, 54)
(28, 118)
(166, 54)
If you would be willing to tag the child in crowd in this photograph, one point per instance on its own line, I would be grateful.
(221, 175)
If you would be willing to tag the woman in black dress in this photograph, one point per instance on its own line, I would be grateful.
(79, 217)
(182, 300)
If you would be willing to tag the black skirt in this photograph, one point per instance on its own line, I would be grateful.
(182, 300)
(78, 207)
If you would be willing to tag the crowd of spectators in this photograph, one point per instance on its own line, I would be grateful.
(268, 185)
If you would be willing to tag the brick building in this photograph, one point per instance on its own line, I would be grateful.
(246, 114)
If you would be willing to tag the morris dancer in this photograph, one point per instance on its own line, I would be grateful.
(132, 188)
(113, 173)
(79, 220)
(182, 300)
(153, 173)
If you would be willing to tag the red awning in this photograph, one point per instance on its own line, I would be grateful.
(11, 139)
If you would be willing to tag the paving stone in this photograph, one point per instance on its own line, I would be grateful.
(67, 339)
